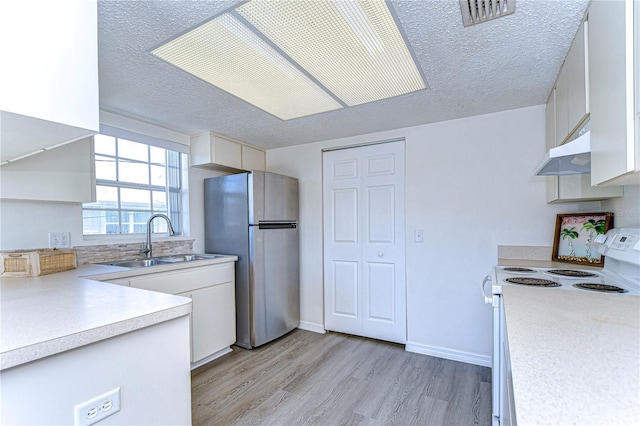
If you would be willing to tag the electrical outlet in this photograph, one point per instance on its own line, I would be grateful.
(97, 409)
(59, 240)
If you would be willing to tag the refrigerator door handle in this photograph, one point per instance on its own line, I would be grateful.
(276, 224)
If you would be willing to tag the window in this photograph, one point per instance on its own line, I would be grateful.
(133, 181)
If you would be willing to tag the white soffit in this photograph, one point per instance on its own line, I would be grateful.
(294, 59)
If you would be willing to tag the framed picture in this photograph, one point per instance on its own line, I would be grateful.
(573, 239)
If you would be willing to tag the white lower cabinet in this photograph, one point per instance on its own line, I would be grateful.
(212, 291)
(211, 320)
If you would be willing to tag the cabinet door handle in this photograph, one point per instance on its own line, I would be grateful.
(380, 254)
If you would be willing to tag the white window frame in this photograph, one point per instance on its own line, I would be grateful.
(182, 223)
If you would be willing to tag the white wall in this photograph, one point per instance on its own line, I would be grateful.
(26, 224)
(196, 204)
(470, 187)
(626, 210)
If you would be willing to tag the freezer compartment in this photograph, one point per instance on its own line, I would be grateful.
(272, 197)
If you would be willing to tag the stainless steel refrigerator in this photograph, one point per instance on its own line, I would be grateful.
(254, 216)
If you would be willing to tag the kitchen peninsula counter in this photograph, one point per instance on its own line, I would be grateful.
(575, 356)
(51, 314)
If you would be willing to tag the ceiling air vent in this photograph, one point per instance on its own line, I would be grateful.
(477, 11)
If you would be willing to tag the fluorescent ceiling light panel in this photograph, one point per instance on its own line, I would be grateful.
(353, 48)
(298, 58)
(225, 53)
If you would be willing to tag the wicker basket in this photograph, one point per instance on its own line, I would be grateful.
(38, 262)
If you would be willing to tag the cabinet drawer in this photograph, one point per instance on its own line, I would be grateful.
(183, 280)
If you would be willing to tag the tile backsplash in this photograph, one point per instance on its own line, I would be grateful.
(109, 252)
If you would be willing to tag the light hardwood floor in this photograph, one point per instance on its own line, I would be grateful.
(336, 379)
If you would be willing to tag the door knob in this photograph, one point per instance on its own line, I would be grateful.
(380, 254)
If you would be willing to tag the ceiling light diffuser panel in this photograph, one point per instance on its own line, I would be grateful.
(228, 55)
(298, 58)
(353, 48)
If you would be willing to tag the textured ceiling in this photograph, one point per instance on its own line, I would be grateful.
(507, 63)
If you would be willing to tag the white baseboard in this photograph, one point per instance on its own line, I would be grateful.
(312, 326)
(447, 353)
(211, 357)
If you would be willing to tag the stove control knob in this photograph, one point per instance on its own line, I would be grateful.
(380, 254)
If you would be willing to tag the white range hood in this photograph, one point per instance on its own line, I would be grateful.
(572, 158)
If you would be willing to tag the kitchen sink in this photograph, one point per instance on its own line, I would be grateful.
(164, 260)
(188, 257)
(135, 263)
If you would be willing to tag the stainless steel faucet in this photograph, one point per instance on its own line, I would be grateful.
(147, 249)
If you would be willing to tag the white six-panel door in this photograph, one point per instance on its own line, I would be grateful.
(364, 270)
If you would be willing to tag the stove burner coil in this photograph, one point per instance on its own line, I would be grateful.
(571, 273)
(537, 282)
(517, 269)
(600, 287)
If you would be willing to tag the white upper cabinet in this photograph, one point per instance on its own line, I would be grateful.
(64, 174)
(253, 159)
(212, 151)
(578, 78)
(572, 91)
(574, 188)
(550, 120)
(566, 111)
(49, 76)
(615, 150)
(562, 105)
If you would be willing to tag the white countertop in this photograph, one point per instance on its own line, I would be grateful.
(120, 272)
(49, 314)
(575, 356)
